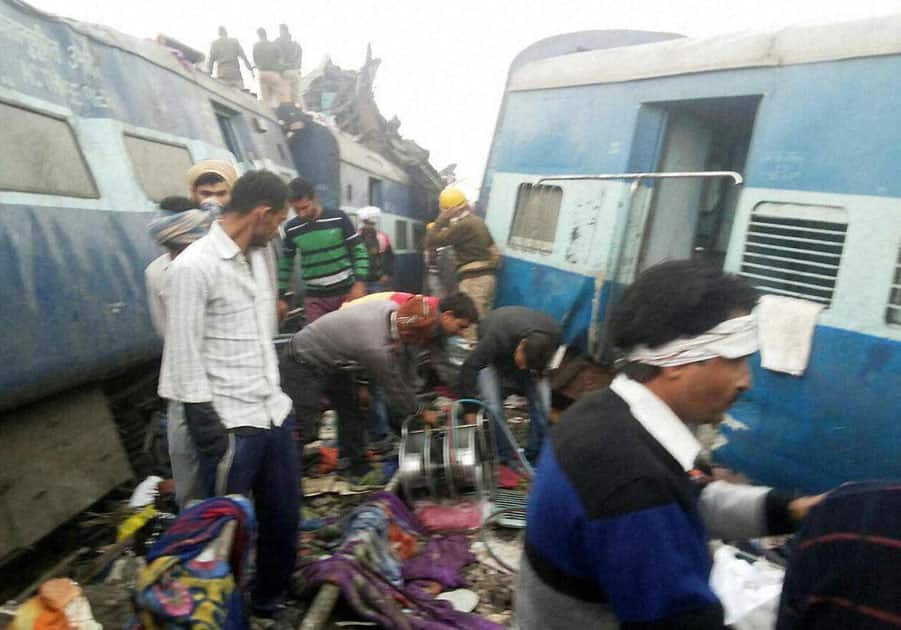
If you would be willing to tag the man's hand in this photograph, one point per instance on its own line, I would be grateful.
(358, 290)
(385, 281)
(430, 417)
(281, 309)
(206, 430)
(800, 507)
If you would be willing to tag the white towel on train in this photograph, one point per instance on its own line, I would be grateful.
(785, 332)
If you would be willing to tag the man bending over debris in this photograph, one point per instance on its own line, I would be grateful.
(517, 343)
(380, 337)
(617, 530)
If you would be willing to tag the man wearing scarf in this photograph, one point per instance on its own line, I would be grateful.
(617, 526)
(181, 225)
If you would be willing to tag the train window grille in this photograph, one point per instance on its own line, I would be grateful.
(535, 217)
(41, 155)
(159, 167)
(795, 250)
(400, 235)
(893, 308)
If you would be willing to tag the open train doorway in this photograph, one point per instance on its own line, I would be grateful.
(693, 217)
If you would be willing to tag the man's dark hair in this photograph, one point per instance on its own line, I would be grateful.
(461, 305)
(300, 189)
(177, 204)
(680, 298)
(208, 179)
(257, 188)
(540, 348)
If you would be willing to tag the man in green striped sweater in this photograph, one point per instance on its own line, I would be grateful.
(333, 257)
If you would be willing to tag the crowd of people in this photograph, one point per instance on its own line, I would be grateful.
(619, 514)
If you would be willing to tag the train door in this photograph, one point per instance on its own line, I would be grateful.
(693, 217)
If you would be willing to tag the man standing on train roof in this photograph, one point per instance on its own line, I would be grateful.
(225, 53)
(332, 255)
(381, 337)
(477, 257)
(182, 224)
(290, 55)
(378, 246)
(211, 180)
(617, 527)
(515, 343)
(220, 362)
(266, 58)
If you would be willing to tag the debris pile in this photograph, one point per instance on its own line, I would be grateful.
(347, 96)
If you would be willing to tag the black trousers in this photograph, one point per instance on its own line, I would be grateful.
(305, 385)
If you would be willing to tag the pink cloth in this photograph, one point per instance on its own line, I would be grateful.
(451, 517)
(315, 307)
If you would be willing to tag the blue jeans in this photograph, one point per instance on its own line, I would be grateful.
(378, 413)
(538, 393)
(264, 465)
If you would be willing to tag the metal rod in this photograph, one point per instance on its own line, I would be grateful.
(736, 177)
(321, 608)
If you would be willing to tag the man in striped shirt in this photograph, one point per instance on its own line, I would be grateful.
(219, 361)
(333, 257)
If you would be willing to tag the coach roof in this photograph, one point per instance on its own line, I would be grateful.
(792, 45)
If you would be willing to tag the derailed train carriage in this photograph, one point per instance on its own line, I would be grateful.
(97, 127)
(793, 132)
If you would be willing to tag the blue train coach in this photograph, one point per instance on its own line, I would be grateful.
(771, 154)
(95, 128)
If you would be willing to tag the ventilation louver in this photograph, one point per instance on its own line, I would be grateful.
(795, 250)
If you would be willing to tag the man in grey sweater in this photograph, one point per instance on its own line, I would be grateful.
(381, 337)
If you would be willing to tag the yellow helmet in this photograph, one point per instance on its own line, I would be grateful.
(452, 198)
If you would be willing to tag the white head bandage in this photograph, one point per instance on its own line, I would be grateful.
(730, 339)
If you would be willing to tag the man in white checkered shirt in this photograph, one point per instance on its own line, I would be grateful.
(219, 360)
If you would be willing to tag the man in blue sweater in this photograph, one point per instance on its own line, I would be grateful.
(617, 529)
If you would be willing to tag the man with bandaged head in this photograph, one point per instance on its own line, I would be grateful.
(617, 527)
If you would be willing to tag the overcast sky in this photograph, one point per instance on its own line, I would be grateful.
(444, 64)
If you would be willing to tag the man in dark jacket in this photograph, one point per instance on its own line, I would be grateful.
(617, 528)
(517, 343)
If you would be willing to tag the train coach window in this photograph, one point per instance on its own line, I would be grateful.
(535, 217)
(400, 234)
(160, 167)
(228, 119)
(893, 309)
(418, 237)
(41, 155)
(795, 250)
